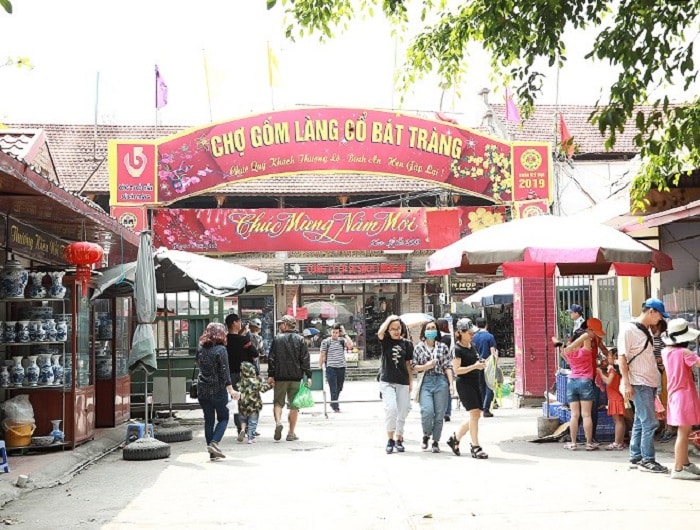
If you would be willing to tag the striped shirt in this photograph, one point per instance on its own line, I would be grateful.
(335, 352)
(640, 358)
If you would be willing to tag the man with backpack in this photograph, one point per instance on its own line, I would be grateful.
(333, 350)
(640, 377)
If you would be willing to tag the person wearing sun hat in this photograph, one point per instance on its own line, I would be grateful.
(683, 404)
(639, 380)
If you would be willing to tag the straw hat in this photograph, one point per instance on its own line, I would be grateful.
(678, 331)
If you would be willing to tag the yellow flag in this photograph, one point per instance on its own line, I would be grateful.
(272, 67)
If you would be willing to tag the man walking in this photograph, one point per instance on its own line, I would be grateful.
(288, 362)
(333, 350)
(240, 348)
(485, 344)
(640, 377)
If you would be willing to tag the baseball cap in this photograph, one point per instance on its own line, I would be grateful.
(656, 305)
(289, 320)
(596, 326)
(575, 308)
(465, 324)
(256, 322)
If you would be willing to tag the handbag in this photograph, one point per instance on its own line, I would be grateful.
(193, 387)
(416, 388)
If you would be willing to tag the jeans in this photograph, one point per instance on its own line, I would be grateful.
(645, 423)
(434, 393)
(397, 405)
(210, 407)
(485, 391)
(336, 378)
(251, 423)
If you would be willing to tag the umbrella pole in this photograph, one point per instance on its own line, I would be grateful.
(546, 333)
(167, 348)
(145, 403)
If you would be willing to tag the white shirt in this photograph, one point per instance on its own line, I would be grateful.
(630, 343)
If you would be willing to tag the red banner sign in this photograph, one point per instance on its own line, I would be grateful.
(267, 230)
(320, 140)
(132, 217)
(532, 169)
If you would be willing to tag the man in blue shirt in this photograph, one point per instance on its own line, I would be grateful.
(485, 344)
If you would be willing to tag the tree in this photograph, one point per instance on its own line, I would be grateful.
(646, 41)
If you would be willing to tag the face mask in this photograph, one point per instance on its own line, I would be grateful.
(431, 334)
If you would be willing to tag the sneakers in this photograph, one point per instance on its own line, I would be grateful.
(278, 432)
(424, 444)
(436, 448)
(214, 450)
(692, 468)
(291, 437)
(251, 440)
(446, 418)
(652, 466)
(241, 436)
(390, 446)
(635, 461)
(684, 474)
(488, 414)
(399, 446)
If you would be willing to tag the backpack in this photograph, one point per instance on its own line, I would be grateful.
(649, 340)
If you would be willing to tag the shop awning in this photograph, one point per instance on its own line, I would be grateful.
(28, 198)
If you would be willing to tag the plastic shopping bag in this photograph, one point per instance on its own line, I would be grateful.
(303, 399)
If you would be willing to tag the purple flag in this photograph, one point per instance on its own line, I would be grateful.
(512, 113)
(161, 91)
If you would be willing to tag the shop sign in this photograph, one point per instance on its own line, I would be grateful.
(336, 273)
(323, 229)
(132, 217)
(465, 286)
(34, 244)
(328, 141)
(532, 172)
(530, 208)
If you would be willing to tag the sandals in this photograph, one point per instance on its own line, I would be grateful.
(570, 446)
(592, 446)
(453, 442)
(615, 447)
(478, 452)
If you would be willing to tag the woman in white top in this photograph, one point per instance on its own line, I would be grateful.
(432, 358)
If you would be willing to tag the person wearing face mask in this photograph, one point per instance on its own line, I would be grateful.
(432, 358)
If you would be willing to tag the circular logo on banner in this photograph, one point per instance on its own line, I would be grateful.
(531, 159)
(127, 220)
(531, 211)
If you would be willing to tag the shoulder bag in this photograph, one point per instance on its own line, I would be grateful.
(193, 387)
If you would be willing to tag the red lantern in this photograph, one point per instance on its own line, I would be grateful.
(83, 254)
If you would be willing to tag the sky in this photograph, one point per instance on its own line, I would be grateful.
(95, 61)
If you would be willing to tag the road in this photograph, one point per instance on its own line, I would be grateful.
(338, 476)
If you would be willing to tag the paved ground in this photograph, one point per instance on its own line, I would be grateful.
(337, 475)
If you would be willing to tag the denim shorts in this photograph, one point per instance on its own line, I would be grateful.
(579, 390)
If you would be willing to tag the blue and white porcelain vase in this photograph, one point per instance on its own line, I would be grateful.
(4, 377)
(22, 331)
(32, 371)
(13, 279)
(57, 369)
(46, 376)
(56, 432)
(17, 372)
(61, 331)
(36, 290)
(57, 290)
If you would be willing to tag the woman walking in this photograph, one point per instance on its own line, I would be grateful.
(466, 365)
(214, 386)
(432, 358)
(395, 379)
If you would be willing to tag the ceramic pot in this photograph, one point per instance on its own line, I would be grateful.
(57, 369)
(36, 331)
(4, 377)
(61, 330)
(13, 279)
(17, 371)
(50, 329)
(56, 432)
(22, 332)
(36, 290)
(10, 327)
(57, 290)
(46, 376)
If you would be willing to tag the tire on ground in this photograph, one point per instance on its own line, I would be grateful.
(146, 449)
(173, 434)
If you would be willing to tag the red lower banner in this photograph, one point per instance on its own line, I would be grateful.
(328, 229)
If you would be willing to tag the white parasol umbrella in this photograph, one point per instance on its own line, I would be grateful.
(416, 319)
(497, 293)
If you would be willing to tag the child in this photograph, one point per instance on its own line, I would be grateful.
(616, 403)
(683, 407)
(250, 403)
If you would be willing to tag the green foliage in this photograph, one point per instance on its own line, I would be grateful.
(6, 5)
(648, 42)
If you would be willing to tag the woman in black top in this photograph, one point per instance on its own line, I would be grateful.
(395, 379)
(466, 364)
(214, 386)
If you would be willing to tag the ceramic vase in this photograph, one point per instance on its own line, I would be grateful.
(32, 371)
(50, 329)
(36, 331)
(61, 331)
(10, 327)
(56, 432)
(4, 377)
(46, 376)
(57, 369)
(13, 279)
(57, 290)
(17, 372)
(36, 290)
(22, 332)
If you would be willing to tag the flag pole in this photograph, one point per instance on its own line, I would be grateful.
(94, 132)
(206, 80)
(271, 74)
